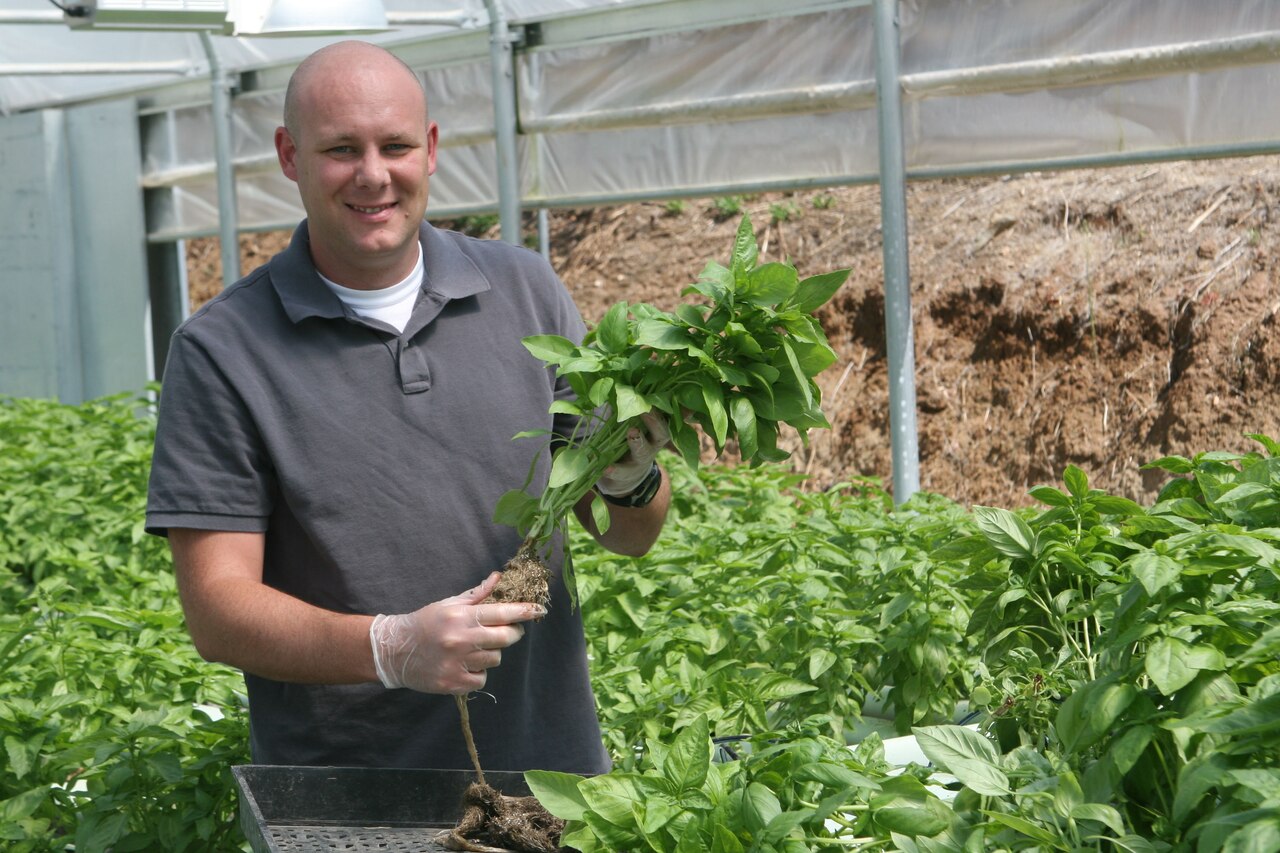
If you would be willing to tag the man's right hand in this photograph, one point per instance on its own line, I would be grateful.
(447, 646)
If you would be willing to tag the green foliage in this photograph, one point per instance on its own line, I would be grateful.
(1131, 661)
(783, 212)
(107, 715)
(1123, 661)
(738, 366)
(792, 790)
(727, 206)
(478, 224)
(763, 605)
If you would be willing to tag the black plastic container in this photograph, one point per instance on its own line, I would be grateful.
(285, 809)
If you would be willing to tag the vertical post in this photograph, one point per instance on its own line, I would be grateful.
(504, 117)
(228, 222)
(544, 233)
(899, 337)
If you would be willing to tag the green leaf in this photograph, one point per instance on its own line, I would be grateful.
(1050, 496)
(1172, 464)
(1172, 663)
(744, 425)
(715, 282)
(1257, 836)
(1022, 826)
(1108, 816)
(552, 349)
(1006, 532)
(1112, 505)
(1090, 712)
(23, 805)
(744, 246)
(664, 335)
(600, 513)
(802, 381)
(1076, 481)
(1154, 571)
(612, 331)
(690, 756)
(820, 660)
(814, 292)
(613, 797)
(768, 284)
(568, 465)
(759, 806)
(724, 841)
(515, 509)
(965, 754)
(904, 805)
(629, 403)
(19, 755)
(1197, 777)
(1260, 715)
(713, 397)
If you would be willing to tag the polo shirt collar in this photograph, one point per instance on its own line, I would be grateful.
(447, 274)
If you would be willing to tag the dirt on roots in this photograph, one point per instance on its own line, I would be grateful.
(1100, 318)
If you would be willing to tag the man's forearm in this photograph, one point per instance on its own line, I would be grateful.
(271, 634)
(632, 530)
(236, 619)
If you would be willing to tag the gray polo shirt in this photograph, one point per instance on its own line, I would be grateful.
(373, 461)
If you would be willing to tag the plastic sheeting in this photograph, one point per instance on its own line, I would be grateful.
(783, 102)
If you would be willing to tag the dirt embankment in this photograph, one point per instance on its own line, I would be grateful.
(1101, 318)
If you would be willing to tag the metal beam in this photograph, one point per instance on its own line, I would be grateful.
(621, 23)
(899, 334)
(502, 59)
(228, 219)
(52, 69)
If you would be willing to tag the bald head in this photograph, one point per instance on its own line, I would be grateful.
(344, 57)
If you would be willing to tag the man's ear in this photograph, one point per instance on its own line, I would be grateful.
(286, 151)
(433, 135)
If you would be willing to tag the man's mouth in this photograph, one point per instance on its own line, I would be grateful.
(378, 209)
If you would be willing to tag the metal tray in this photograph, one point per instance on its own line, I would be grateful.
(285, 809)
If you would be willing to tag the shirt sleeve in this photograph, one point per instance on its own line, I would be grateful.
(209, 469)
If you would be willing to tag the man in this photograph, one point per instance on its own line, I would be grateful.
(335, 430)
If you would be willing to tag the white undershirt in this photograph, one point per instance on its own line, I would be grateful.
(391, 305)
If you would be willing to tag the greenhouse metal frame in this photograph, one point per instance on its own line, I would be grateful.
(573, 103)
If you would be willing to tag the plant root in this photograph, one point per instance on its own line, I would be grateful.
(492, 822)
(525, 578)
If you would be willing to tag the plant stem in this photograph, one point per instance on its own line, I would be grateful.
(466, 734)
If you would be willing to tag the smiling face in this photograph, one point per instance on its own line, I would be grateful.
(361, 149)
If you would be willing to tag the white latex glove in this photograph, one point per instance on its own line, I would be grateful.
(623, 476)
(446, 646)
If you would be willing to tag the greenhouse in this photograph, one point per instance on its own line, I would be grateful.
(881, 668)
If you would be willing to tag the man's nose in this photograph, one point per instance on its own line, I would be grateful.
(371, 171)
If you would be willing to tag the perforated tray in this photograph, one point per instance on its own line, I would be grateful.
(355, 809)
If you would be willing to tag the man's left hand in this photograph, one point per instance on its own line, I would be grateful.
(643, 444)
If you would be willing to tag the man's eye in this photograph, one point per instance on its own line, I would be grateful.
(395, 148)
(341, 149)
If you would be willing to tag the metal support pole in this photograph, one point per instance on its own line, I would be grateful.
(501, 57)
(228, 223)
(899, 337)
(544, 233)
